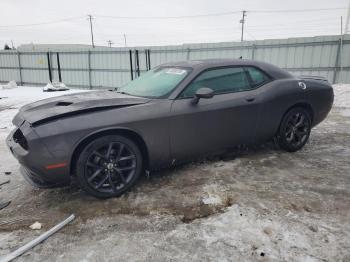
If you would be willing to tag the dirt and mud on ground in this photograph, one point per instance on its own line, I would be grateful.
(259, 204)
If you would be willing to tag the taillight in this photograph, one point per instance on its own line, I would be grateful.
(19, 138)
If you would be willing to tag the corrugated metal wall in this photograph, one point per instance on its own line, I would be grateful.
(321, 56)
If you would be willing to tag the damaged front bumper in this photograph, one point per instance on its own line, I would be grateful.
(36, 180)
(34, 158)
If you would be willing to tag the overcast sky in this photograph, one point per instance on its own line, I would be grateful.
(74, 29)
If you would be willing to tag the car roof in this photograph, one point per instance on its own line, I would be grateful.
(204, 64)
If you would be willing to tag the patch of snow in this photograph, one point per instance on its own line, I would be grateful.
(212, 197)
(10, 85)
(342, 98)
(212, 200)
(342, 95)
(345, 112)
(243, 231)
(36, 226)
(55, 86)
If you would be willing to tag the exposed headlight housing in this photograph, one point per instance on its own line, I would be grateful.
(19, 138)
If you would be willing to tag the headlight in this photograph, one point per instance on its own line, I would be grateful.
(19, 138)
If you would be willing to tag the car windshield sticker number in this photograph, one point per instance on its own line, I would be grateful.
(175, 71)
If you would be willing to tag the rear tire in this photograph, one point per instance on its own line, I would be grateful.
(295, 129)
(108, 166)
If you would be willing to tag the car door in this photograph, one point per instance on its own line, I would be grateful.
(227, 119)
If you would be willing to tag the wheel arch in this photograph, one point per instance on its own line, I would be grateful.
(303, 105)
(131, 134)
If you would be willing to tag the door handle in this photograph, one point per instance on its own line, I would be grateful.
(250, 99)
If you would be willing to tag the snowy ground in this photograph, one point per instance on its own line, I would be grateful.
(12, 99)
(255, 204)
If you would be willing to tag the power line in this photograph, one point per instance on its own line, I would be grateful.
(223, 14)
(179, 17)
(328, 22)
(312, 22)
(168, 17)
(175, 33)
(277, 28)
(252, 36)
(298, 10)
(44, 23)
(189, 35)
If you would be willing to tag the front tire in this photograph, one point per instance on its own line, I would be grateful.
(294, 130)
(108, 166)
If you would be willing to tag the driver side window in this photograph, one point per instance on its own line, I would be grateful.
(222, 80)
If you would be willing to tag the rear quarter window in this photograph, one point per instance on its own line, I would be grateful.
(257, 76)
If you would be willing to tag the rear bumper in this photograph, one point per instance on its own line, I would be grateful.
(34, 161)
(323, 105)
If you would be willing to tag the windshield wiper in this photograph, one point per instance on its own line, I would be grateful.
(124, 93)
(121, 92)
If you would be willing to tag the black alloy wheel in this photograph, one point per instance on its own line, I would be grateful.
(294, 130)
(109, 165)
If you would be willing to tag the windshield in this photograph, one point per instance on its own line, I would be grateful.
(155, 83)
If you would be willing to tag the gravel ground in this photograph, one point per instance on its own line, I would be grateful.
(257, 203)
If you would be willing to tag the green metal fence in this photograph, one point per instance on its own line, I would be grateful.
(327, 56)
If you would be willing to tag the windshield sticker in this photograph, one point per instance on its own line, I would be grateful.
(175, 71)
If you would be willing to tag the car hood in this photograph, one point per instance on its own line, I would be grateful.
(79, 103)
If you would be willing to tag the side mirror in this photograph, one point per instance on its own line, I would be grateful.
(203, 92)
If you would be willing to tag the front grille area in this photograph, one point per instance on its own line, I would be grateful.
(19, 138)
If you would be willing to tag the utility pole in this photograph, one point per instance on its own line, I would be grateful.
(242, 22)
(13, 47)
(124, 39)
(109, 43)
(92, 33)
(347, 20)
(341, 45)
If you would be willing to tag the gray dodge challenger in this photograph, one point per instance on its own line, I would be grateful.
(170, 114)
